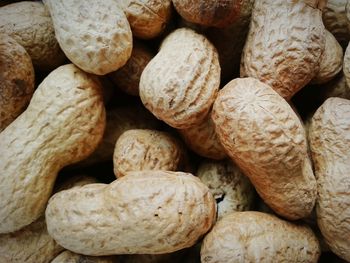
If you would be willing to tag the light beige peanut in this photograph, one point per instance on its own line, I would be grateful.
(334, 19)
(346, 65)
(180, 83)
(147, 18)
(145, 212)
(127, 78)
(16, 80)
(63, 124)
(141, 149)
(258, 237)
(71, 257)
(266, 139)
(30, 24)
(331, 62)
(229, 186)
(94, 35)
(330, 143)
(202, 139)
(212, 12)
(285, 42)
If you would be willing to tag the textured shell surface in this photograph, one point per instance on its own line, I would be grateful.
(229, 186)
(180, 83)
(16, 80)
(94, 35)
(30, 24)
(147, 18)
(145, 212)
(258, 237)
(71, 257)
(266, 139)
(141, 149)
(329, 138)
(284, 45)
(63, 124)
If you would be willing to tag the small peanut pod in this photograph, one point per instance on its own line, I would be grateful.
(147, 18)
(330, 146)
(285, 43)
(331, 62)
(30, 24)
(16, 80)
(63, 124)
(145, 212)
(127, 78)
(180, 83)
(219, 13)
(202, 139)
(94, 35)
(138, 150)
(71, 257)
(266, 139)
(259, 237)
(229, 186)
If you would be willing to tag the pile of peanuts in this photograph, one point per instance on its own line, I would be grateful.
(149, 131)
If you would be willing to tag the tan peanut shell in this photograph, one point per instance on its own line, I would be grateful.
(118, 121)
(16, 80)
(147, 18)
(145, 212)
(71, 257)
(335, 20)
(30, 24)
(63, 124)
(331, 62)
(330, 146)
(266, 139)
(346, 65)
(214, 13)
(127, 78)
(141, 149)
(94, 35)
(258, 237)
(229, 186)
(285, 43)
(202, 139)
(180, 83)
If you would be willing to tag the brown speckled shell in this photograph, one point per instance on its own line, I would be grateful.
(138, 150)
(266, 139)
(63, 124)
(146, 212)
(331, 62)
(71, 257)
(334, 19)
(330, 145)
(259, 237)
(147, 18)
(180, 83)
(217, 13)
(202, 139)
(16, 80)
(229, 186)
(284, 45)
(127, 78)
(94, 35)
(30, 24)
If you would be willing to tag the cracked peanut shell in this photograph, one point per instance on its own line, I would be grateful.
(265, 138)
(63, 124)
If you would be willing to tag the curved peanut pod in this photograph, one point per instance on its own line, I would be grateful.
(145, 212)
(330, 146)
(259, 237)
(94, 35)
(285, 43)
(63, 124)
(180, 83)
(266, 139)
